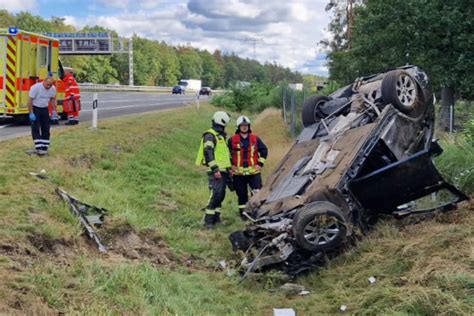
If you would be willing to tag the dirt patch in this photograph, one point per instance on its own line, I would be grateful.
(115, 148)
(145, 245)
(21, 256)
(82, 161)
(47, 245)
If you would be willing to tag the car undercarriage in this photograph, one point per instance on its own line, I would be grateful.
(365, 150)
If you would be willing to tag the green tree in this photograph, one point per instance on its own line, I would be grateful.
(190, 63)
(436, 35)
(170, 73)
(28, 22)
(147, 66)
(211, 71)
(6, 19)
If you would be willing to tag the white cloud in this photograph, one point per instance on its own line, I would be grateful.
(69, 19)
(18, 5)
(116, 4)
(289, 30)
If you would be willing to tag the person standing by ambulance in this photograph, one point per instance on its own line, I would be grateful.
(72, 100)
(248, 154)
(40, 95)
(214, 154)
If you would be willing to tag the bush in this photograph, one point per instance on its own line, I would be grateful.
(254, 98)
(469, 131)
(456, 163)
(330, 88)
(225, 100)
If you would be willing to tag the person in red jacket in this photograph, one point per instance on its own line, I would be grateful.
(248, 154)
(72, 101)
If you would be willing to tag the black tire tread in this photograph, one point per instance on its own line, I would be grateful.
(307, 213)
(307, 113)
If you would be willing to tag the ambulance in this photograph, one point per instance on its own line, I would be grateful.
(25, 59)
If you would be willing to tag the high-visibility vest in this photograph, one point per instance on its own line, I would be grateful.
(71, 87)
(239, 154)
(221, 152)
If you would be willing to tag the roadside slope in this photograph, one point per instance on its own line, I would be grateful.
(161, 261)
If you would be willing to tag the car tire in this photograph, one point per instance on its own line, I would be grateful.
(310, 113)
(319, 226)
(400, 89)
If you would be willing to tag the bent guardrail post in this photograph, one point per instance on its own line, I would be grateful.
(81, 209)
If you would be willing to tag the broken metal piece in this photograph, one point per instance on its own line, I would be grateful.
(88, 215)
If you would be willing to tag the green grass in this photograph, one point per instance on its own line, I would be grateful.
(142, 170)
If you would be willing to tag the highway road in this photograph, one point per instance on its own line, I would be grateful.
(110, 104)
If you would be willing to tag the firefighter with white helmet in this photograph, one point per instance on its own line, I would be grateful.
(248, 155)
(214, 153)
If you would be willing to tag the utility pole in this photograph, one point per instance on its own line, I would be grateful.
(253, 41)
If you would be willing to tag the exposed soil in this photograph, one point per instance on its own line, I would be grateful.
(146, 245)
(82, 161)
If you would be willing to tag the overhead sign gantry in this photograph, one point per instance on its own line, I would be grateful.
(97, 43)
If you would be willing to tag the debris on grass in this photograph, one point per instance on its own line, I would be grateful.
(90, 216)
(41, 175)
(284, 312)
(291, 289)
(372, 280)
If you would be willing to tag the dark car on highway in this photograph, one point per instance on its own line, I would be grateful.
(205, 91)
(365, 150)
(178, 90)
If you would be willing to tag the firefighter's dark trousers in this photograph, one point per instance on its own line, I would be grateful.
(217, 188)
(40, 128)
(241, 184)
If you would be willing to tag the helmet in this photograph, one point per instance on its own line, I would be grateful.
(242, 120)
(221, 118)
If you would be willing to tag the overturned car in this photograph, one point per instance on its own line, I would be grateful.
(365, 150)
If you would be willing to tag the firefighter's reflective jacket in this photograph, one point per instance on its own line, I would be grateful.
(213, 151)
(247, 153)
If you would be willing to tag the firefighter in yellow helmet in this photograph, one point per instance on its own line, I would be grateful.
(214, 153)
(248, 154)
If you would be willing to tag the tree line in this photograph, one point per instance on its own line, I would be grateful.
(370, 36)
(156, 63)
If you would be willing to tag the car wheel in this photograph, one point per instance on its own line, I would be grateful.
(311, 110)
(400, 89)
(319, 226)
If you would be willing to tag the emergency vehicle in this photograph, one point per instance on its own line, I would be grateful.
(25, 59)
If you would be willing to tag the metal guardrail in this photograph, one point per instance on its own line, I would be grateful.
(92, 87)
(111, 87)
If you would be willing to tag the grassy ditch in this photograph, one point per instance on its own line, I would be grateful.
(161, 261)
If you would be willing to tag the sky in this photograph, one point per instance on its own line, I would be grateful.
(283, 31)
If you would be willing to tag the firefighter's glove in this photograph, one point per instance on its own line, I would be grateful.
(32, 117)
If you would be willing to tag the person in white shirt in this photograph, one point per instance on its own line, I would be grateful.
(41, 94)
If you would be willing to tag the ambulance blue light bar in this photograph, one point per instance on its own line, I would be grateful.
(12, 30)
